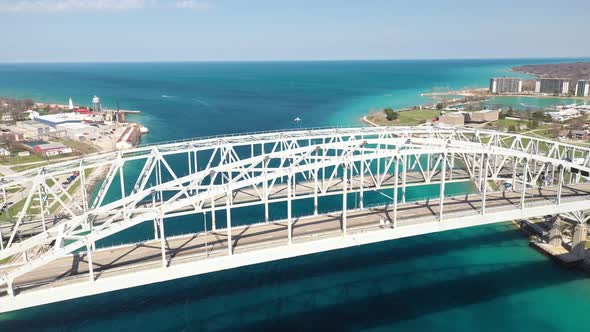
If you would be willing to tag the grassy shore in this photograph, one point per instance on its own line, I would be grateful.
(406, 118)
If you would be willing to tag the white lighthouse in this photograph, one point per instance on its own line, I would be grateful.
(71, 104)
(96, 104)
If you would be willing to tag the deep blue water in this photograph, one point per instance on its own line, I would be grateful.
(484, 278)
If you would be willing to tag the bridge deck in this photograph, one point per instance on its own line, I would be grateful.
(250, 196)
(126, 259)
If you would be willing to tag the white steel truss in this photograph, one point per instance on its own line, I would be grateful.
(158, 182)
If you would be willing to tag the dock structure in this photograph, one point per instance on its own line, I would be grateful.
(55, 259)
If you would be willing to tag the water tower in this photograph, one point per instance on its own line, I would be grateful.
(96, 104)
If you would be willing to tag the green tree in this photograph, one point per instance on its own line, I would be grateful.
(512, 128)
(390, 114)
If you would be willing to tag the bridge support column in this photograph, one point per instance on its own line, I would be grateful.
(555, 238)
(90, 264)
(289, 226)
(9, 288)
(442, 188)
(344, 198)
(579, 240)
(228, 220)
(524, 179)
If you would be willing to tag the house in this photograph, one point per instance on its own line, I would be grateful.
(4, 152)
(52, 149)
(579, 134)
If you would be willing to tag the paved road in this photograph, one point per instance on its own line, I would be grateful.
(250, 195)
(202, 245)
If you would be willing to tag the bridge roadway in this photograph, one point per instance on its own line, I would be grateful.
(126, 259)
(249, 196)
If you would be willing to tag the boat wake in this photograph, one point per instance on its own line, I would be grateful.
(204, 103)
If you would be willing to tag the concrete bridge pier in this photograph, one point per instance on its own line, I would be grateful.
(579, 240)
(555, 233)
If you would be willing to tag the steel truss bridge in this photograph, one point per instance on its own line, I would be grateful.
(51, 243)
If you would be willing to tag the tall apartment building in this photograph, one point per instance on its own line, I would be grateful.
(559, 86)
(505, 85)
(583, 88)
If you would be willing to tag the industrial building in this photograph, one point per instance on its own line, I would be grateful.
(452, 119)
(505, 85)
(52, 149)
(583, 88)
(554, 86)
(483, 116)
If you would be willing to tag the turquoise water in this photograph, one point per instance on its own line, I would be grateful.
(484, 278)
(531, 103)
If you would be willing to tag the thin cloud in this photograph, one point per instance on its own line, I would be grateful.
(52, 6)
(193, 4)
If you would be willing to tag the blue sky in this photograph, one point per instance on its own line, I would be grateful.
(225, 30)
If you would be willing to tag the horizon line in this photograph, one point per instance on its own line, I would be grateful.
(287, 60)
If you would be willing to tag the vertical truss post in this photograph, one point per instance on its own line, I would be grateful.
(213, 219)
(289, 226)
(451, 165)
(83, 188)
(90, 264)
(481, 172)
(315, 192)
(485, 184)
(442, 187)
(155, 219)
(196, 168)
(162, 239)
(42, 208)
(404, 173)
(344, 197)
(265, 193)
(1, 237)
(122, 180)
(395, 189)
(514, 171)
(524, 180)
(560, 183)
(228, 204)
(361, 189)
(428, 172)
